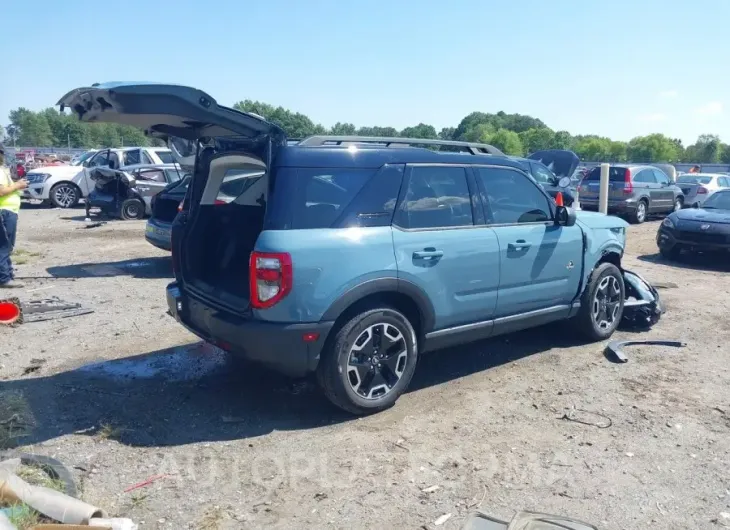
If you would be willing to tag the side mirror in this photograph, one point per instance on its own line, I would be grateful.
(565, 216)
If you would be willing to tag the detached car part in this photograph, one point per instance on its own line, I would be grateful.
(642, 307)
(524, 521)
(13, 312)
(615, 347)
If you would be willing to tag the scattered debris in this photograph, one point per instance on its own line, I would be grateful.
(664, 285)
(35, 365)
(441, 520)
(642, 307)
(571, 416)
(615, 347)
(320, 496)
(400, 442)
(630, 455)
(91, 225)
(145, 482)
(430, 489)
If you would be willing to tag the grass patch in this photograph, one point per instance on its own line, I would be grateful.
(109, 432)
(21, 256)
(23, 517)
(212, 519)
(37, 477)
(16, 419)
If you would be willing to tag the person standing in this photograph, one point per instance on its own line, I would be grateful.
(9, 209)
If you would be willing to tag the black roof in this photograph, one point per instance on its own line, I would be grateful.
(374, 157)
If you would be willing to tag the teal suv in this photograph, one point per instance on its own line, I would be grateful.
(351, 257)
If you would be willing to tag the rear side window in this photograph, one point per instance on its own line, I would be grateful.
(689, 179)
(165, 157)
(131, 158)
(723, 182)
(310, 198)
(661, 177)
(436, 197)
(155, 175)
(646, 176)
(615, 174)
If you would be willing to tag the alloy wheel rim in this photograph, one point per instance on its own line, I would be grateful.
(132, 210)
(376, 361)
(65, 196)
(641, 211)
(606, 303)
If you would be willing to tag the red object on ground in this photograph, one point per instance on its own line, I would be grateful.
(144, 483)
(9, 312)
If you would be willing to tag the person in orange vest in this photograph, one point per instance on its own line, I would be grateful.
(9, 209)
(695, 169)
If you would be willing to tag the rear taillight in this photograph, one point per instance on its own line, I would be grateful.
(180, 206)
(628, 186)
(702, 190)
(270, 278)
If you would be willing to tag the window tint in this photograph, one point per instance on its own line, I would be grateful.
(155, 175)
(173, 175)
(723, 182)
(146, 158)
(436, 197)
(512, 197)
(661, 177)
(236, 182)
(646, 176)
(542, 174)
(690, 179)
(165, 157)
(615, 174)
(131, 158)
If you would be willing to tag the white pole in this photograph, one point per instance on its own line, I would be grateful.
(603, 195)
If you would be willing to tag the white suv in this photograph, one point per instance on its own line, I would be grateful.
(65, 186)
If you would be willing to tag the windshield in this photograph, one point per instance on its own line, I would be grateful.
(691, 179)
(83, 158)
(718, 201)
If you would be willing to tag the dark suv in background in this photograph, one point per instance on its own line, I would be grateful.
(634, 191)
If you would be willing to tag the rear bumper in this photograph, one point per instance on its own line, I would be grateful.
(615, 206)
(159, 234)
(667, 239)
(280, 346)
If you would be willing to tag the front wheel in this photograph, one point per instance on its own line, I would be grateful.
(671, 254)
(370, 361)
(678, 204)
(64, 195)
(132, 209)
(639, 215)
(602, 303)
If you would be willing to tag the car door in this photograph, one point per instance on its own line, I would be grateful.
(666, 191)
(645, 185)
(83, 179)
(540, 261)
(442, 245)
(150, 182)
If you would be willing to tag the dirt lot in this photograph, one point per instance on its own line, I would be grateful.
(125, 394)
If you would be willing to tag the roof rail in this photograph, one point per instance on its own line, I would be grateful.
(471, 147)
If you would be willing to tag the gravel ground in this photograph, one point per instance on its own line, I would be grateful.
(125, 394)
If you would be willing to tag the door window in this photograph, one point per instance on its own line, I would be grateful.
(146, 158)
(542, 174)
(131, 158)
(100, 160)
(512, 197)
(661, 177)
(437, 197)
(646, 177)
(154, 175)
(723, 182)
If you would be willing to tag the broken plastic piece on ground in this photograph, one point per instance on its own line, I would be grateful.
(615, 347)
(38, 310)
(643, 307)
(524, 521)
(10, 312)
(115, 523)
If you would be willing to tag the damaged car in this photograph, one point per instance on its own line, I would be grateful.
(128, 193)
(350, 257)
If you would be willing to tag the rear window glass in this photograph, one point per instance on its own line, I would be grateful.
(236, 182)
(307, 198)
(165, 157)
(615, 174)
(691, 179)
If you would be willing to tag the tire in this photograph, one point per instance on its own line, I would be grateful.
(671, 254)
(132, 209)
(347, 362)
(639, 215)
(591, 325)
(64, 195)
(678, 204)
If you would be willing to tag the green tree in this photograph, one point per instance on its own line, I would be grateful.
(725, 154)
(592, 148)
(388, 132)
(652, 148)
(562, 140)
(508, 142)
(511, 122)
(617, 152)
(295, 124)
(343, 129)
(707, 149)
(419, 131)
(447, 133)
(537, 139)
(32, 128)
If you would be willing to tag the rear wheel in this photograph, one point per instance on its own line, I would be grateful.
(132, 209)
(370, 361)
(639, 215)
(602, 303)
(65, 195)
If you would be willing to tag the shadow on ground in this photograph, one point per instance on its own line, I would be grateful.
(701, 261)
(149, 268)
(197, 393)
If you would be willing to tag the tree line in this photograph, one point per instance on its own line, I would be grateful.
(514, 134)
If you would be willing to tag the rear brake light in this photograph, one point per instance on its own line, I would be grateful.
(702, 190)
(180, 206)
(270, 278)
(628, 186)
(219, 202)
